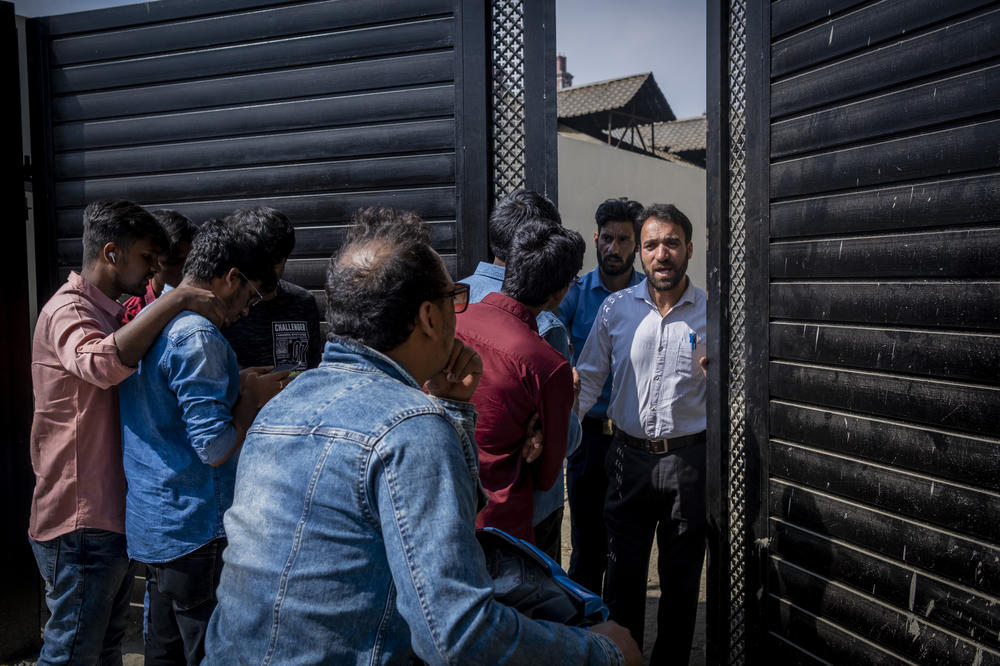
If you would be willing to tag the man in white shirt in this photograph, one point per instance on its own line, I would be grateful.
(650, 338)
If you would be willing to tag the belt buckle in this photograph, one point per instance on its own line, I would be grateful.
(659, 445)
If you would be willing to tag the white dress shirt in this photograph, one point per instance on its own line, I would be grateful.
(657, 387)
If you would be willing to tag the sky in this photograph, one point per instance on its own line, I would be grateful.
(601, 39)
(607, 39)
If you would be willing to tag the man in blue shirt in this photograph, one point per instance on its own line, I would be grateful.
(616, 242)
(184, 414)
(351, 535)
(509, 215)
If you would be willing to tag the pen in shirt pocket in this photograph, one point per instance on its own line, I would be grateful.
(693, 339)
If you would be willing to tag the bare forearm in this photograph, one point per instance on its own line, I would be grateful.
(135, 338)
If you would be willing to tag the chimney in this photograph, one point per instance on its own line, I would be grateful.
(563, 78)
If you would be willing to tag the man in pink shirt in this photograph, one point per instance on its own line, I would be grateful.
(80, 353)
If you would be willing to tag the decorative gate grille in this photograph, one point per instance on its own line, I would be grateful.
(508, 97)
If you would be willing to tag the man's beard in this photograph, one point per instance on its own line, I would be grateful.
(666, 283)
(618, 269)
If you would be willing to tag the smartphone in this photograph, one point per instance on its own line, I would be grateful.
(283, 367)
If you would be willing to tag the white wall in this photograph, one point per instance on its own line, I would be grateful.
(591, 171)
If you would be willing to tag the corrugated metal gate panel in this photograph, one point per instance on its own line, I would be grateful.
(315, 108)
(884, 334)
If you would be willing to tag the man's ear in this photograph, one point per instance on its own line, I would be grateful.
(111, 253)
(231, 281)
(690, 250)
(428, 320)
(596, 236)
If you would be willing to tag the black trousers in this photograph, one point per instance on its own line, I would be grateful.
(663, 495)
(181, 600)
(548, 535)
(586, 486)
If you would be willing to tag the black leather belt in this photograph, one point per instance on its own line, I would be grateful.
(658, 445)
(597, 426)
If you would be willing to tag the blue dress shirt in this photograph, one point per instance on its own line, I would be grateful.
(176, 422)
(578, 311)
(658, 388)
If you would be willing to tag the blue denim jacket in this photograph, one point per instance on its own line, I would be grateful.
(351, 537)
(176, 421)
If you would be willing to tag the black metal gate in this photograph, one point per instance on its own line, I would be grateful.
(315, 107)
(854, 217)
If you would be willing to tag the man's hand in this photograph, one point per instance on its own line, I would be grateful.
(703, 362)
(576, 384)
(533, 436)
(202, 301)
(623, 639)
(258, 385)
(460, 376)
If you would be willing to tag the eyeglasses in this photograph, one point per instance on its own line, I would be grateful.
(576, 280)
(254, 300)
(459, 296)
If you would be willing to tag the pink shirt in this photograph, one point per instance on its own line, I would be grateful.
(76, 448)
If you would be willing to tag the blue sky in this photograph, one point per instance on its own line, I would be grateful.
(601, 39)
(606, 39)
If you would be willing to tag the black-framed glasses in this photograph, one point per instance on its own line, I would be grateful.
(254, 300)
(459, 297)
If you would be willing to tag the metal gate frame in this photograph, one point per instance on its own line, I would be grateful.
(738, 146)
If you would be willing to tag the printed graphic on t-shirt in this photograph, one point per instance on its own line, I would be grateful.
(291, 342)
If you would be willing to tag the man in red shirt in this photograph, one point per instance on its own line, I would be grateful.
(522, 374)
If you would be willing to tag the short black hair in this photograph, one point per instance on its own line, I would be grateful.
(377, 281)
(271, 225)
(620, 209)
(178, 228)
(511, 212)
(544, 258)
(120, 222)
(667, 213)
(220, 246)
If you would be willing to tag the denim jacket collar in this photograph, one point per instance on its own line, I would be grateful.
(348, 352)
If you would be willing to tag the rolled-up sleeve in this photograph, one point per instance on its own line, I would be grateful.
(207, 386)
(84, 348)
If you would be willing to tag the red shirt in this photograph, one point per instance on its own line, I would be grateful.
(135, 304)
(522, 374)
(76, 446)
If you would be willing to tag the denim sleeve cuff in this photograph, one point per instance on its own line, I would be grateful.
(464, 412)
(614, 655)
(216, 450)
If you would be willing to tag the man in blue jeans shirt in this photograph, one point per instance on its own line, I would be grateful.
(616, 242)
(184, 415)
(351, 535)
(507, 217)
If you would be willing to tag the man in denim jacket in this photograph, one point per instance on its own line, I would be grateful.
(351, 535)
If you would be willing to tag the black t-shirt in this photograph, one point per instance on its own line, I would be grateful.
(282, 330)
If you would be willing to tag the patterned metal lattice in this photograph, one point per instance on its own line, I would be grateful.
(737, 325)
(508, 97)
